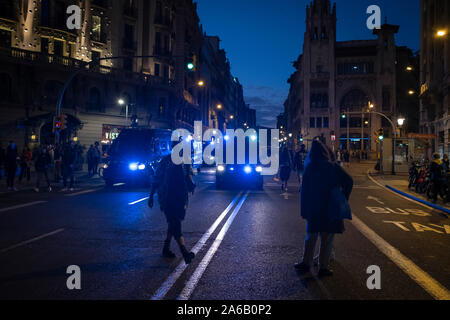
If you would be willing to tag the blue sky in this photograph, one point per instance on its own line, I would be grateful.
(263, 37)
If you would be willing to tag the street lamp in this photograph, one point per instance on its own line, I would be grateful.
(121, 102)
(441, 33)
(231, 117)
(409, 68)
(411, 92)
(219, 106)
(401, 121)
(201, 83)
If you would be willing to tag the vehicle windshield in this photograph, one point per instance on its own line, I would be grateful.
(139, 143)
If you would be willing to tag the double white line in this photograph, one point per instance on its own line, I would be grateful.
(195, 278)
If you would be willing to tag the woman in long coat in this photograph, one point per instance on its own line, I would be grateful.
(321, 175)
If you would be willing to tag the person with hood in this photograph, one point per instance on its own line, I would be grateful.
(320, 177)
(173, 183)
(11, 159)
(42, 161)
(437, 177)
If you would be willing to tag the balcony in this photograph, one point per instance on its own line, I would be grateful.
(163, 52)
(163, 21)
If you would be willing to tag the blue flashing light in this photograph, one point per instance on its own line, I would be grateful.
(248, 169)
(141, 167)
(133, 166)
(227, 137)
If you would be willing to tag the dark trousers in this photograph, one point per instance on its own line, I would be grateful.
(40, 175)
(25, 171)
(68, 174)
(91, 167)
(10, 176)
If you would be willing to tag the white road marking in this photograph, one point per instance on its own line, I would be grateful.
(138, 201)
(175, 275)
(22, 206)
(198, 273)
(80, 193)
(375, 199)
(118, 184)
(31, 240)
(434, 288)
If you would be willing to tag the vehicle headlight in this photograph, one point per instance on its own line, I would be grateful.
(133, 166)
(220, 168)
(248, 169)
(258, 169)
(105, 166)
(141, 167)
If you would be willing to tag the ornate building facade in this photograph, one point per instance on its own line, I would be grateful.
(336, 80)
(38, 53)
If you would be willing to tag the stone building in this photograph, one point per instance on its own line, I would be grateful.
(434, 75)
(333, 78)
(38, 54)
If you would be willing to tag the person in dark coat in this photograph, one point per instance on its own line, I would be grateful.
(42, 161)
(299, 162)
(285, 168)
(437, 169)
(91, 160)
(321, 175)
(11, 159)
(173, 183)
(69, 161)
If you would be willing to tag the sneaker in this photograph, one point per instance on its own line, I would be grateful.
(325, 273)
(302, 267)
(50, 189)
(36, 190)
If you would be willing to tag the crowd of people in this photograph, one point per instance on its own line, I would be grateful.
(52, 164)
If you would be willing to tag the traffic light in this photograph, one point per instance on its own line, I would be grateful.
(300, 137)
(191, 63)
(63, 121)
(56, 124)
(380, 134)
(343, 115)
(333, 136)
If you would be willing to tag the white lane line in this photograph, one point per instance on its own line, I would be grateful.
(175, 275)
(22, 206)
(138, 201)
(81, 192)
(434, 288)
(198, 273)
(398, 195)
(31, 240)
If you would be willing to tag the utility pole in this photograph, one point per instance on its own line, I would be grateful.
(348, 131)
(362, 135)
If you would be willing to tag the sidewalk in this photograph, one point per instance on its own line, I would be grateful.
(400, 183)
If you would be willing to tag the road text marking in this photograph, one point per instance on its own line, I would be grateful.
(434, 288)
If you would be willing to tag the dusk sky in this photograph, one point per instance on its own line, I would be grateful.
(263, 37)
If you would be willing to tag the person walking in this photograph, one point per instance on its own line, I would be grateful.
(285, 168)
(97, 157)
(299, 162)
(90, 155)
(437, 178)
(11, 159)
(58, 162)
(42, 161)
(320, 177)
(173, 183)
(25, 160)
(69, 161)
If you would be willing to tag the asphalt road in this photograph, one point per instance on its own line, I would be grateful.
(247, 243)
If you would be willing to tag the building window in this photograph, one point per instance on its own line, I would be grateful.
(319, 100)
(355, 100)
(319, 123)
(157, 69)
(326, 122)
(162, 107)
(129, 37)
(355, 68)
(312, 122)
(58, 48)
(96, 28)
(5, 38)
(94, 102)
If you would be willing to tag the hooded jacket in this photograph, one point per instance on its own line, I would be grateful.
(319, 178)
